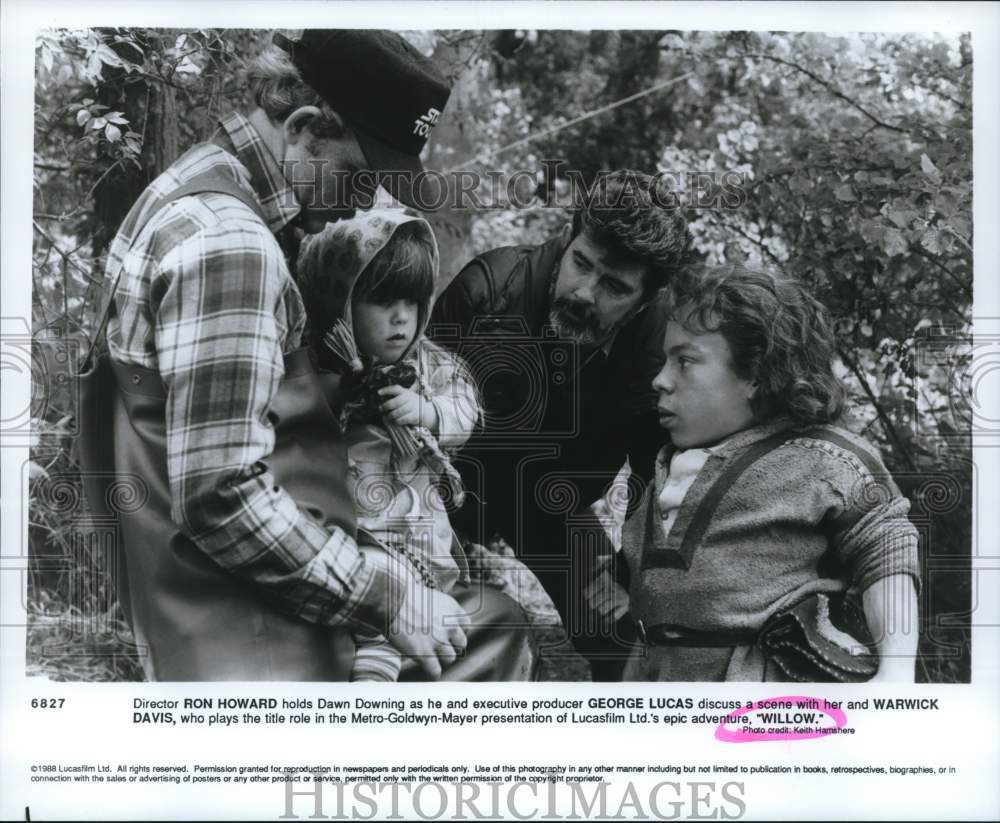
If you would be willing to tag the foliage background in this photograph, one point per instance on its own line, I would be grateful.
(856, 154)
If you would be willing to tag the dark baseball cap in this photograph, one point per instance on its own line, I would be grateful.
(387, 91)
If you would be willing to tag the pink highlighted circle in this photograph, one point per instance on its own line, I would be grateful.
(739, 736)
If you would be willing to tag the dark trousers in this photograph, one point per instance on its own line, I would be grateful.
(501, 644)
(605, 644)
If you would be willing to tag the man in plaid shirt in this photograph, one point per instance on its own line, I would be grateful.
(207, 302)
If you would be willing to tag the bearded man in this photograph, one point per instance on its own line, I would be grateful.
(564, 340)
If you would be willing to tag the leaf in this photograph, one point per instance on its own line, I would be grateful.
(871, 232)
(929, 169)
(800, 184)
(47, 56)
(117, 118)
(962, 226)
(98, 123)
(82, 116)
(931, 240)
(946, 202)
(107, 55)
(36, 471)
(94, 67)
(187, 67)
(902, 217)
(894, 243)
(844, 193)
(113, 133)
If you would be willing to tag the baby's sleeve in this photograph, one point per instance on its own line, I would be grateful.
(453, 394)
(375, 659)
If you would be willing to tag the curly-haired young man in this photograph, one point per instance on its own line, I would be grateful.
(564, 341)
(767, 522)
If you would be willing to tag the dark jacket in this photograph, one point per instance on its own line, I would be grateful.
(559, 422)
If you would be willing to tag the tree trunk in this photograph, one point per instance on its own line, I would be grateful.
(151, 110)
(452, 226)
(163, 128)
(120, 187)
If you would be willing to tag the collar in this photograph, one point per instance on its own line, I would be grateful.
(609, 342)
(734, 443)
(276, 197)
(606, 347)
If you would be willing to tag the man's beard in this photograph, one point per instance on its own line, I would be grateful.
(577, 322)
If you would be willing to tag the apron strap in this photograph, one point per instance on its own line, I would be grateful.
(208, 182)
(710, 502)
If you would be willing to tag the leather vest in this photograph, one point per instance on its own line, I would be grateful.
(192, 619)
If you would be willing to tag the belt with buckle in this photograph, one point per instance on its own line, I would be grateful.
(669, 634)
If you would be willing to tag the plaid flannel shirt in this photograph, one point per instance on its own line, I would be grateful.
(207, 300)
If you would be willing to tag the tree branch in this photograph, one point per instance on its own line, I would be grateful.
(883, 417)
(829, 87)
(958, 281)
(960, 239)
(759, 243)
(65, 255)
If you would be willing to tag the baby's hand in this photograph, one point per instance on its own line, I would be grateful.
(405, 407)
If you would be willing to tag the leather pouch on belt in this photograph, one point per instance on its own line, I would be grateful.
(822, 639)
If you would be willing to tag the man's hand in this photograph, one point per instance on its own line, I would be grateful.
(405, 407)
(429, 627)
(606, 597)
